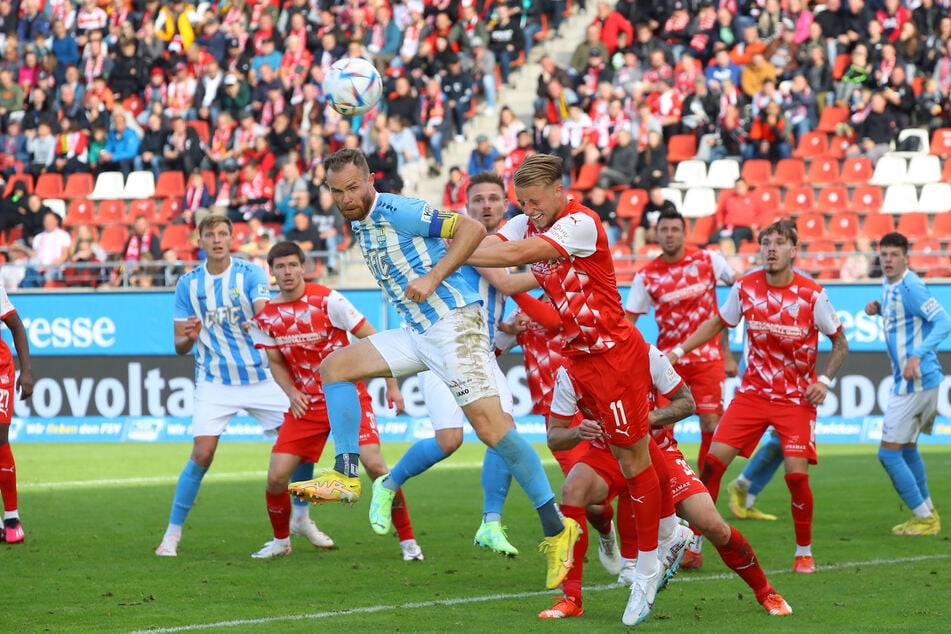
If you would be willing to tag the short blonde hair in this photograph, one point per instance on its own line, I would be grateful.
(212, 220)
(538, 169)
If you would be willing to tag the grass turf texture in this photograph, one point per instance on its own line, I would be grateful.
(94, 513)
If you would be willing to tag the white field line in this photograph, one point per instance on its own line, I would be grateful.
(212, 475)
(372, 609)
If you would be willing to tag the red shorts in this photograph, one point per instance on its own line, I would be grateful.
(603, 462)
(306, 437)
(748, 416)
(705, 381)
(683, 481)
(7, 387)
(614, 388)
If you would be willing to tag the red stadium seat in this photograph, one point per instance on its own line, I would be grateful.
(811, 227)
(175, 237)
(833, 199)
(201, 127)
(240, 232)
(812, 144)
(646, 253)
(701, 230)
(50, 185)
(839, 144)
(877, 225)
(799, 200)
(144, 207)
(170, 185)
(822, 260)
(867, 199)
(170, 209)
(111, 212)
(768, 199)
(913, 226)
(824, 170)
(941, 227)
(843, 227)
(789, 172)
(78, 185)
(623, 264)
(925, 259)
(79, 212)
(681, 147)
(587, 176)
(112, 239)
(26, 179)
(630, 204)
(757, 172)
(831, 117)
(941, 142)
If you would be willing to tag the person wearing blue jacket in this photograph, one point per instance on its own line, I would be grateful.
(914, 324)
(122, 146)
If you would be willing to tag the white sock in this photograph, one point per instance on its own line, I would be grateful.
(750, 500)
(11, 515)
(804, 551)
(647, 563)
(929, 503)
(922, 510)
(300, 512)
(667, 526)
(173, 530)
(743, 482)
(282, 541)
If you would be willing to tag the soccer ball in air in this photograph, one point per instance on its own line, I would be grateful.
(353, 86)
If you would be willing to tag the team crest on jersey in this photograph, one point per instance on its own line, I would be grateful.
(793, 309)
(235, 292)
(692, 269)
(4, 379)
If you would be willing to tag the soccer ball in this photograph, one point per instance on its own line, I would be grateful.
(353, 86)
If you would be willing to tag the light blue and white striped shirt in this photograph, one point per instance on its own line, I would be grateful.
(401, 238)
(224, 352)
(492, 299)
(914, 324)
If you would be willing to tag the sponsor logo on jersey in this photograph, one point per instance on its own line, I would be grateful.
(687, 292)
(775, 329)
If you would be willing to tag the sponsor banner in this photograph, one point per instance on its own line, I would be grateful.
(150, 399)
(141, 323)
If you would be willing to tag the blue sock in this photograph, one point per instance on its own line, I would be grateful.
(917, 466)
(526, 467)
(186, 491)
(303, 472)
(902, 478)
(345, 413)
(764, 464)
(496, 480)
(421, 456)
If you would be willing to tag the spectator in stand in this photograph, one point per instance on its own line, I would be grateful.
(701, 109)
(83, 255)
(769, 136)
(859, 74)
(151, 146)
(621, 165)
(29, 210)
(646, 231)
(143, 240)
(652, 166)
(482, 156)
(295, 204)
(598, 201)
(722, 67)
(282, 140)
(736, 216)
(64, 48)
(929, 108)
(857, 265)
(764, 96)
(506, 41)
(457, 89)
(208, 92)
(875, 133)
(197, 196)
(742, 54)
(129, 73)
(72, 154)
(48, 252)
(582, 53)
(454, 193)
(41, 145)
(384, 164)
(330, 224)
(800, 107)
(226, 197)
(509, 126)
(557, 106)
(756, 74)
(612, 23)
(182, 150)
(256, 195)
(676, 31)
(892, 16)
(96, 145)
(818, 76)
(305, 234)
(122, 146)
(900, 97)
(383, 39)
(431, 123)
(483, 72)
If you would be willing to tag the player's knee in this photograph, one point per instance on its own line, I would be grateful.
(449, 440)
(203, 456)
(277, 483)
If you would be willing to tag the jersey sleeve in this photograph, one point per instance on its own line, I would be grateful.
(731, 312)
(183, 306)
(514, 229)
(638, 299)
(343, 314)
(925, 306)
(722, 270)
(564, 401)
(256, 285)
(574, 235)
(827, 322)
(259, 333)
(422, 219)
(6, 306)
(665, 378)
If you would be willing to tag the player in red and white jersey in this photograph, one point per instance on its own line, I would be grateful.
(567, 249)
(784, 311)
(597, 477)
(681, 283)
(299, 327)
(10, 384)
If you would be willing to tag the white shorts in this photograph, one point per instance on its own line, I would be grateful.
(216, 404)
(444, 413)
(455, 348)
(908, 415)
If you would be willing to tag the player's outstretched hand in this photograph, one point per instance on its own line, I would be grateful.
(816, 393)
(192, 328)
(299, 403)
(872, 308)
(730, 366)
(25, 384)
(419, 289)
(394, 397)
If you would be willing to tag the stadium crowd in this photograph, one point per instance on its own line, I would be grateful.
(220, 108)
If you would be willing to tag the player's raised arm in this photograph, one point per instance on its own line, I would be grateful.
(466, 235)
(514, 253)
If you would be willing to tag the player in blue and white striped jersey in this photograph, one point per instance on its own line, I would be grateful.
(915, 324)
(402, 240)
(486, 203)
(212, 304)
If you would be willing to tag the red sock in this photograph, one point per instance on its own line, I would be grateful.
(712, 473)
(572, 583)
(706, 437)
(659, 460)
(601, 521)
(400, 515)
(8, 478)
(279, 511)
(798, 484)
(739, 556)
(645, 489)
(626, 528)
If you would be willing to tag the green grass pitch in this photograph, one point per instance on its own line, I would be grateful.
(93, 514)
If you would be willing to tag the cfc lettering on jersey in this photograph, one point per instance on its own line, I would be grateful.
(222, 315)
(442, 224)
(378, 263)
